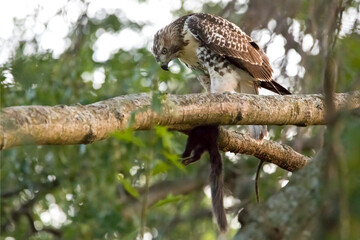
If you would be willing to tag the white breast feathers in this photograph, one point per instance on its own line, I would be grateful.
(188, 54)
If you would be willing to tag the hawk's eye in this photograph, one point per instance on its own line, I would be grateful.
(164, 51)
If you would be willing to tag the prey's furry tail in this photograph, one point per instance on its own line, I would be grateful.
(217, 189)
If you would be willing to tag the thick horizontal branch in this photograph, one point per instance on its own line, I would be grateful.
(84, 124)
(80, 124)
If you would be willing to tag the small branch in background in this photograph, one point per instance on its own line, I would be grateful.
(335, 171)
(26, 207)
(160, 191)
(10, 193)
(55, 232)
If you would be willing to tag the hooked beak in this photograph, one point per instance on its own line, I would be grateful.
(163, 63)
(165, 67)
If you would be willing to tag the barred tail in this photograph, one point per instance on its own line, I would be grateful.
(217, 190)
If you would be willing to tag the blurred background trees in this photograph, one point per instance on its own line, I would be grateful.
(102, 50)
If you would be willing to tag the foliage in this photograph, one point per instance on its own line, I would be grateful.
(96, 191)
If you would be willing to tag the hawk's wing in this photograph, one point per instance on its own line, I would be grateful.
(228, 40)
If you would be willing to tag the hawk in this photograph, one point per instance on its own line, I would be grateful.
(220, 53)
(225, 60)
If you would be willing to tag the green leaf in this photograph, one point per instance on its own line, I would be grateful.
(127, 185)
(128, 136)
(160, 168)
(166, 136)
(169, 199)
(174, 159)
(156, 100)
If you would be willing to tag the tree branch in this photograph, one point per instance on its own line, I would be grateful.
(11, 192)
(78, 124)
(273, 152)
(160, 191)
(27, 206)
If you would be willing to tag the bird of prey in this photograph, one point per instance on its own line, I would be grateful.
(220, 53)
(226, 60)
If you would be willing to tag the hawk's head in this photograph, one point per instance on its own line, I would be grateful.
(168, 42)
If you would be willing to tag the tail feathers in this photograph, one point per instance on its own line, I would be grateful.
(217, 192)
(258, 131)
(274, 87)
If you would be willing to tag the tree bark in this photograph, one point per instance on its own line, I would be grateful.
(78, 124)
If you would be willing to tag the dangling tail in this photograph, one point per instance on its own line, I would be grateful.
(217, 189)
(204, 138)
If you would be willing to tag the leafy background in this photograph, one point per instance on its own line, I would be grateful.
(95, 191)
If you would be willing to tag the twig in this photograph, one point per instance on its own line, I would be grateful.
(257, 180)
